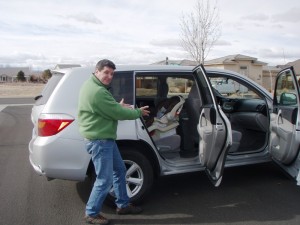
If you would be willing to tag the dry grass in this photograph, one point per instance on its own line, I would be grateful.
(19, 90)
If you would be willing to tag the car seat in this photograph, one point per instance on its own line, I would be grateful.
(163, 128)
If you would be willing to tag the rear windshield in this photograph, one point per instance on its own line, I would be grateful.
(48, 89)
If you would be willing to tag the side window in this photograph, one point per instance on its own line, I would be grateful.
(163, 92)
(146, 86)
(122, 87)
(163, 85)
(179, 86)
(285, 93)
(232, 89)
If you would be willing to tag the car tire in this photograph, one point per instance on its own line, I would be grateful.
(141, 171)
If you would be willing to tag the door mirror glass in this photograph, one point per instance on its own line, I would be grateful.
(288, 99)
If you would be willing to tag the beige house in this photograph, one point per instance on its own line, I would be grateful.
(270, 73)
(269, 77)
(249, 66)
(296, 65)
(256, 70)
(245, 65)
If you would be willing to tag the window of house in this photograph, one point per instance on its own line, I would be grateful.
(244, 70)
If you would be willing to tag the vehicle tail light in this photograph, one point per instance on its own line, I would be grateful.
(51, 124)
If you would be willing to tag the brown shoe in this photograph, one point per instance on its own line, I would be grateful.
(130, 209)
(99, 219)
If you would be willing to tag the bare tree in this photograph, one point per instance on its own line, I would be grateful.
(200, 29)
(46, 75)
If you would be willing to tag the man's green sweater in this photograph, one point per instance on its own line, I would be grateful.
(98, 111)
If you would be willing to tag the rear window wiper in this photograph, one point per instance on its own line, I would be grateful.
(38, 97)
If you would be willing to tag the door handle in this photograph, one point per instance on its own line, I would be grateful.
(279, 118)
(219, 126)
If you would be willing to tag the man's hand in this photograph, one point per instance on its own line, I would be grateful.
(145, 112)
(123, 104)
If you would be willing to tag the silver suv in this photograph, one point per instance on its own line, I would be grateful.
(195, 124)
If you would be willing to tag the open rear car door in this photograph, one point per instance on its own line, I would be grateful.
(214, 129)
(285, 124)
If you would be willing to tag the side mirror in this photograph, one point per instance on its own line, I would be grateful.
(288, 99)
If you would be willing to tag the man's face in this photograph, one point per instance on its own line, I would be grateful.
(105, 75)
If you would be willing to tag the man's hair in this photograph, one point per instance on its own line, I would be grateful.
(105, 62)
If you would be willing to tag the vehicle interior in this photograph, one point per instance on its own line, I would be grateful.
(175, 105)
(248, 114)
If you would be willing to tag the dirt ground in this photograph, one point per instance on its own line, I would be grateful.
(19, 90)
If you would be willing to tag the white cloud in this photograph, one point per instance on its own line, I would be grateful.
(174, 42)
(256, 16)
(222, 43)
(43, 33)
(85, 17)
(292, 15)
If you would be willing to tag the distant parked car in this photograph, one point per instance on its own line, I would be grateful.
(192, 127)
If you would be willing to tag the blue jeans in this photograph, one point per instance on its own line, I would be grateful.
(110, 170)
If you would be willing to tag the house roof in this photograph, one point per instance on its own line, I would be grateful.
(232, 59)
(296, 65)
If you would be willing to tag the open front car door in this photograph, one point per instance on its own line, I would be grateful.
(214, 130)
(285, 124)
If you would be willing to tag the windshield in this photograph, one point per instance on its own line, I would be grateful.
(232, 88)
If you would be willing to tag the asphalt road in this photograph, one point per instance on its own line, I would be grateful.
(250, 195)
(4, 101)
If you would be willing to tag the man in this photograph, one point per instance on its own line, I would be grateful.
(98, 115)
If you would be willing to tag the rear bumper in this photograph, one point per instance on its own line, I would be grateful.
(59, 158)
(33, 162)
(36, 168)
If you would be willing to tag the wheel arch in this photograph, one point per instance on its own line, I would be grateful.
(143, 148)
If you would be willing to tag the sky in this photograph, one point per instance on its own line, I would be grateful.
(42, 33)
